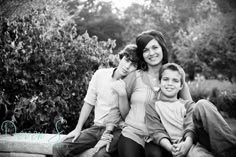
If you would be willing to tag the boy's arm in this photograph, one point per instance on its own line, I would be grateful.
(89, 102)
(86, 109)
(182, 148)
(112, 120)
(153, 122)
(189, 129)
(165, 143)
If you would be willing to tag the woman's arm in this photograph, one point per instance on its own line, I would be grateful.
(185, 92)
(124, 106)
(123, 103)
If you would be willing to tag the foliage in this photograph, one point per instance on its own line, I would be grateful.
(209, 46)
(47, 59)
(100, 20)
(45, 72)
(221, 93)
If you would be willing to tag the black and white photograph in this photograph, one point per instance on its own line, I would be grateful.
(117, 78)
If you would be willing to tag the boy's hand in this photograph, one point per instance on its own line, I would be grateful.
(119, 87)
(104, 142)
(100, 144)
(75, 133)
(181, 149)
(174, 150)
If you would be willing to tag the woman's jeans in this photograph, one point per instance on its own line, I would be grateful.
(129, 148)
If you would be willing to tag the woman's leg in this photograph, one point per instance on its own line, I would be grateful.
(153, 150)
(213, 131)
(129, 148)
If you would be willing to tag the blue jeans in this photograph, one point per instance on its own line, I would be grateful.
(129, 148)
(213, 131)
(87, 139)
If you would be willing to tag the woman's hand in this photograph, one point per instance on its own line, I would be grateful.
(183, 72)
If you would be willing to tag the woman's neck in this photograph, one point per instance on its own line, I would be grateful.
(152, 76)
(154, 70)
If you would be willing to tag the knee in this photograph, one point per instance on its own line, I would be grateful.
(203, 105)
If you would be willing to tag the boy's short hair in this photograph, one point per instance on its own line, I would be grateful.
(130, 53)
(174, 67)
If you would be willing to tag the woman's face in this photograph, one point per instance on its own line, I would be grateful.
(152, 53)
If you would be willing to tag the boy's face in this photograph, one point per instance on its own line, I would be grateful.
(170, 83)
(126, 66)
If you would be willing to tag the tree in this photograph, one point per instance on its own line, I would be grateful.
(99, 19)
(210, 43)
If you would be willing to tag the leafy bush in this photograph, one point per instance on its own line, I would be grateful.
(221, 93)
(45, 75)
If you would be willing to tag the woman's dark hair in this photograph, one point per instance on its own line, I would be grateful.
(143, 39)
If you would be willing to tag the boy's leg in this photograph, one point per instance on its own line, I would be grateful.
(198, 151)
(87, 139)
(213, 131)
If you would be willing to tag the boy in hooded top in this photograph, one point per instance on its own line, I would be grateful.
(184, 128)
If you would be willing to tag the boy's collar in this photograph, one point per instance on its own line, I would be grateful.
(113, 73)
(166, 99)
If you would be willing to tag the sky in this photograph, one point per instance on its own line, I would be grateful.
(124, 3)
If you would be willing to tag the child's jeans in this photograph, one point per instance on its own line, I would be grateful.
(87, 139)
(212, 130)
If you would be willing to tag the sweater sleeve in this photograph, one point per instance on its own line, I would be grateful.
(130, 82)
(153, 122)
(188, 125)
(113, 117)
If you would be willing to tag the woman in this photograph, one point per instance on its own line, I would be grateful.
(142, 87)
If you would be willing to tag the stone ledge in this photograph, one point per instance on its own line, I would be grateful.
(20, 144)
(20, 155)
